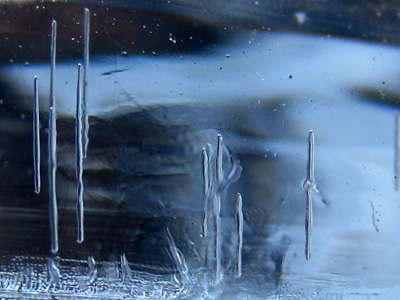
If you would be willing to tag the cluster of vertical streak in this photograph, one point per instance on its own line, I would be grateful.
(239, 232)
(36, 137)
(310, 185)
(79, 158)
(53, 145)
(86, 39)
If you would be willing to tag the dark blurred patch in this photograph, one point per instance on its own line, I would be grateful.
(25, 29)
(378, 96)
(375, 20)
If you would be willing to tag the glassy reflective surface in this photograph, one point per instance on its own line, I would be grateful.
(188, 105)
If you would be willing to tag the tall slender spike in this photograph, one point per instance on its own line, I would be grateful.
(79, 159)
(397, 151)
(36, 137)
(311, 142)
(86, 40)
(217, 239)
(309, 186)
(239, 232)
(205, 171)
(53, 145)
(219, 159)
(217, 216)
(207, 153)
(204, 227)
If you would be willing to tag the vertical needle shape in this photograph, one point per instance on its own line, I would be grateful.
(207, 153)
(79, 158)
(53, 145)
(309, 185)
(239, 232)
(86, 39)
(36, 137)
(217, 211)
(205, 170)
(219, 159)
(397, 151)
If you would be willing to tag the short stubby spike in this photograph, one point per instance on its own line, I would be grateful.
(53, 145)
(239, 233)
(36, 137)
(86, 40)
(79, 158)
(309, 185)
(125, 268)
(53, 272)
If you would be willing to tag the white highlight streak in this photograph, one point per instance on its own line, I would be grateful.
(79, 160)
(217, 212)
(36, 137)
(239, 232)
(53, 145)
(309, 185)
(207, 153)
(86, 40)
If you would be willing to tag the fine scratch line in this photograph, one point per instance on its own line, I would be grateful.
(373, 217)
(53, 145)
(239, 232)
(398, 152)
(309, 185)
(86, 39)
(79, 159)
(36, 137)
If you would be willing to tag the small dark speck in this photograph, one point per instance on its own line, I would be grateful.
(290, 76)
(220, 68)
(383, 82)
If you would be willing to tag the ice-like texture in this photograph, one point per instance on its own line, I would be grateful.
(196, 171)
